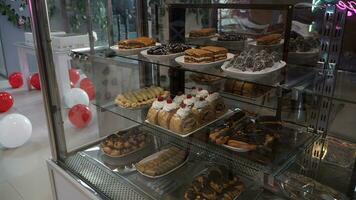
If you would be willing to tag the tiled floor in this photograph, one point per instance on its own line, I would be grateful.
(23, 172)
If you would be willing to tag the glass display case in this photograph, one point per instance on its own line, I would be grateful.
(205, 100)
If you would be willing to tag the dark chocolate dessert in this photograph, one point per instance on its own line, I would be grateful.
(165, 49)
(231, 37)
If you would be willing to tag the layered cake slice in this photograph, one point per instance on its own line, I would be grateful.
(205, 32)
(198, 56)
(219, 53)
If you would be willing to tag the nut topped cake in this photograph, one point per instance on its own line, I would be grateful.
(205, 32)
(166, 49)
(231, 37)
(137, 43)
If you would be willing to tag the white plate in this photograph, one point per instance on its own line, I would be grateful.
(254, 43)
(128, 52)
(155, 155)
(250, 75)
(199, 40)
(160, 58)
(197, 66)
(228, 113)
(241, 150)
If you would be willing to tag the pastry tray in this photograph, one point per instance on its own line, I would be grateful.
(262, 99)
(124, 133)
(227, 114)
(164, 174)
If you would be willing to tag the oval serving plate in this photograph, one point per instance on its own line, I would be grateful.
(250, 75)
(164, 174)
(197, 66)
(160, 58)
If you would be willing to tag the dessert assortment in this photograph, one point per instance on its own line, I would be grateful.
(205, 54)
(269, 39)
(205, 32)
(247, 136)
(136, 43)
(253, 61)
(245, 89)
(141, 97)
(123, 144)
(186, 112)
(162, 162)
(215, 183)
(166, 49)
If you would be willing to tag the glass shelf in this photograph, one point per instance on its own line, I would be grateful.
(281, 158)
(297, 77)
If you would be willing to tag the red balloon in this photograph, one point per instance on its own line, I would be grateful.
(74, 76)
(80, 115)
(88, 87)
(16, 80)
(6, 101)
(35, 81)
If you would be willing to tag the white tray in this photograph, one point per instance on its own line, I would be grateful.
(250, 75)
(241, 150)
(197, 66)
(160, 58)
(228, 112)
(156, 155)
(128, 52)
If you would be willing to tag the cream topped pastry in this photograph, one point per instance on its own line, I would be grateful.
(169, 105)
(158, 103)
(183, 111)
(202, 93)
(202, 111)
(165, 115)
(152, 115)
(189, 101)
(178, 99)
(201, 103)
(183, 120)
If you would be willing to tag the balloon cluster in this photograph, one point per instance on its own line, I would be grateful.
(16, 80)
(78, 98)
(16, 129)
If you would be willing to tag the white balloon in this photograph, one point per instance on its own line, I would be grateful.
(15, 130)
(76, 96)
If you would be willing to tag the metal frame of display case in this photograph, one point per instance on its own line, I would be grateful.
(112, 186)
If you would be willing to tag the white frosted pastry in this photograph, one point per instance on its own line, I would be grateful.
(202, 93)
(202, 111)
(178, 99)
(183, 120)
(189, 100)
(152, 115)
(167, 112)
(216, 102)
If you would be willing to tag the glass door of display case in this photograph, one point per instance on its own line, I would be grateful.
(194, 99)
(3, 71)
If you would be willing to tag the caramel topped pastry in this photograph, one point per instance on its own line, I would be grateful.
(205, 32)
(137, 43)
